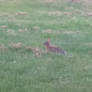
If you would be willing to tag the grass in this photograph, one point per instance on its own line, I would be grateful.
(21, 71)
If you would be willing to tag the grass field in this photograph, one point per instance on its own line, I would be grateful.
(30, 23)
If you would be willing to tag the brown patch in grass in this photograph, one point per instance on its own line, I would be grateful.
(49, 1)
(4, 26)
(67, 13)
(89, 14)
(76, 1)
(2, 47)
(55, 13)
(16, 45)
(50, 31)
(29, 48)
(23, 30)
(11, 32)
(36, 51)
(36, 28)
(4, 14)
(21, 13)
(87, 1)
(71, 32)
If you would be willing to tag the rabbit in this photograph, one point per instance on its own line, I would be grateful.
(54, 49)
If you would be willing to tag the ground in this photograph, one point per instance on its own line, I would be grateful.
(26, 24)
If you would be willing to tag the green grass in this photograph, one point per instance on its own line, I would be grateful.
(21, 71)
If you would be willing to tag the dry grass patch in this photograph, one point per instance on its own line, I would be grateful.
(16, 45)
(21, 13)
(50, 31)
(87, 1)
(89, 14)
(36, 51)
(28, 48)
(54, 13)
(23, 30)
(4, 14)
(67, 13)
(3, 26)
(51, 13)
(2, 47)
(49, 1)
(36, 28)
(88, 44)
(71, 32)
(11, 32)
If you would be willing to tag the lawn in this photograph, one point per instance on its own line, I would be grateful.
(29, 23)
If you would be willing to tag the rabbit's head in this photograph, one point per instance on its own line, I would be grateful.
(49, 40)
(46, 43)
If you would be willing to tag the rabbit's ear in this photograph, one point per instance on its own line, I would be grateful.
(48, 39)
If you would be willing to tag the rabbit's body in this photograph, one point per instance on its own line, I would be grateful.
(53, 49)
(56, 50)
